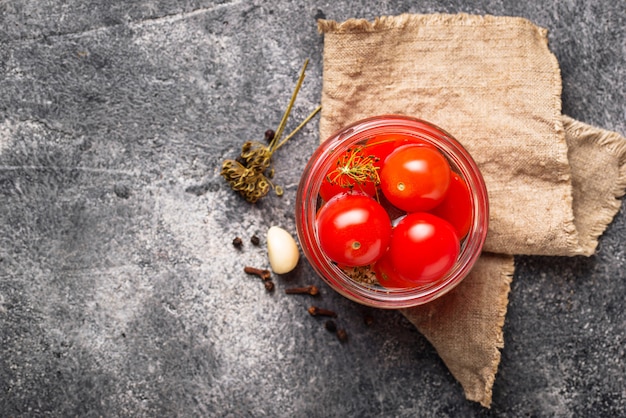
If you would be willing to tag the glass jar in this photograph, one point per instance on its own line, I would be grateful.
(308, 202)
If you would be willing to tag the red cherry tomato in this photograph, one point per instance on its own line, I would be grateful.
(415, 178)
(423, 248)
(382, 145)
(353, 171)
(353, 229)
(456, 207)
(387, 275)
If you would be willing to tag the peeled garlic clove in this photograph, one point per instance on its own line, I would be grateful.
(282, 250)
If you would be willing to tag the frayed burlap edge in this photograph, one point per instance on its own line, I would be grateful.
(611, 143)
(399, 22)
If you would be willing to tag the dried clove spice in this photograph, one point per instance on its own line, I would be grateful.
(315, 311)
(308, 290)
(263, 274)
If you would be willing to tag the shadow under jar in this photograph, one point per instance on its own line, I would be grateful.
(360, 284)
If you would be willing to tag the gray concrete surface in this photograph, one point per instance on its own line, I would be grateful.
(120, 293)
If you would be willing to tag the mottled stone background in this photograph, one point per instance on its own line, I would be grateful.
(120, 291)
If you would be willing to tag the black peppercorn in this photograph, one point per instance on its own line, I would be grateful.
(330, 325)
(269, 135)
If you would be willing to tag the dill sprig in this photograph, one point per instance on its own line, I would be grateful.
(250, 173)
(354, 168)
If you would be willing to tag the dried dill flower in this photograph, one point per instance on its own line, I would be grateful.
(250, 173)
(354, 167)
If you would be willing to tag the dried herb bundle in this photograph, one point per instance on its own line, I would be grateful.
(251, 172)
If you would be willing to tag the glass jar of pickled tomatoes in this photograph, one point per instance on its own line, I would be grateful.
(392, 212)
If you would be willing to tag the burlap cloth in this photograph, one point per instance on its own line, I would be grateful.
(491, 82)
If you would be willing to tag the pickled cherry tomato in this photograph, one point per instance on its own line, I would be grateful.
(415, 178)
(456, 207)
(387, 276)
(328, 189)
(423, 248)
(353, 229)
(382, 145)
